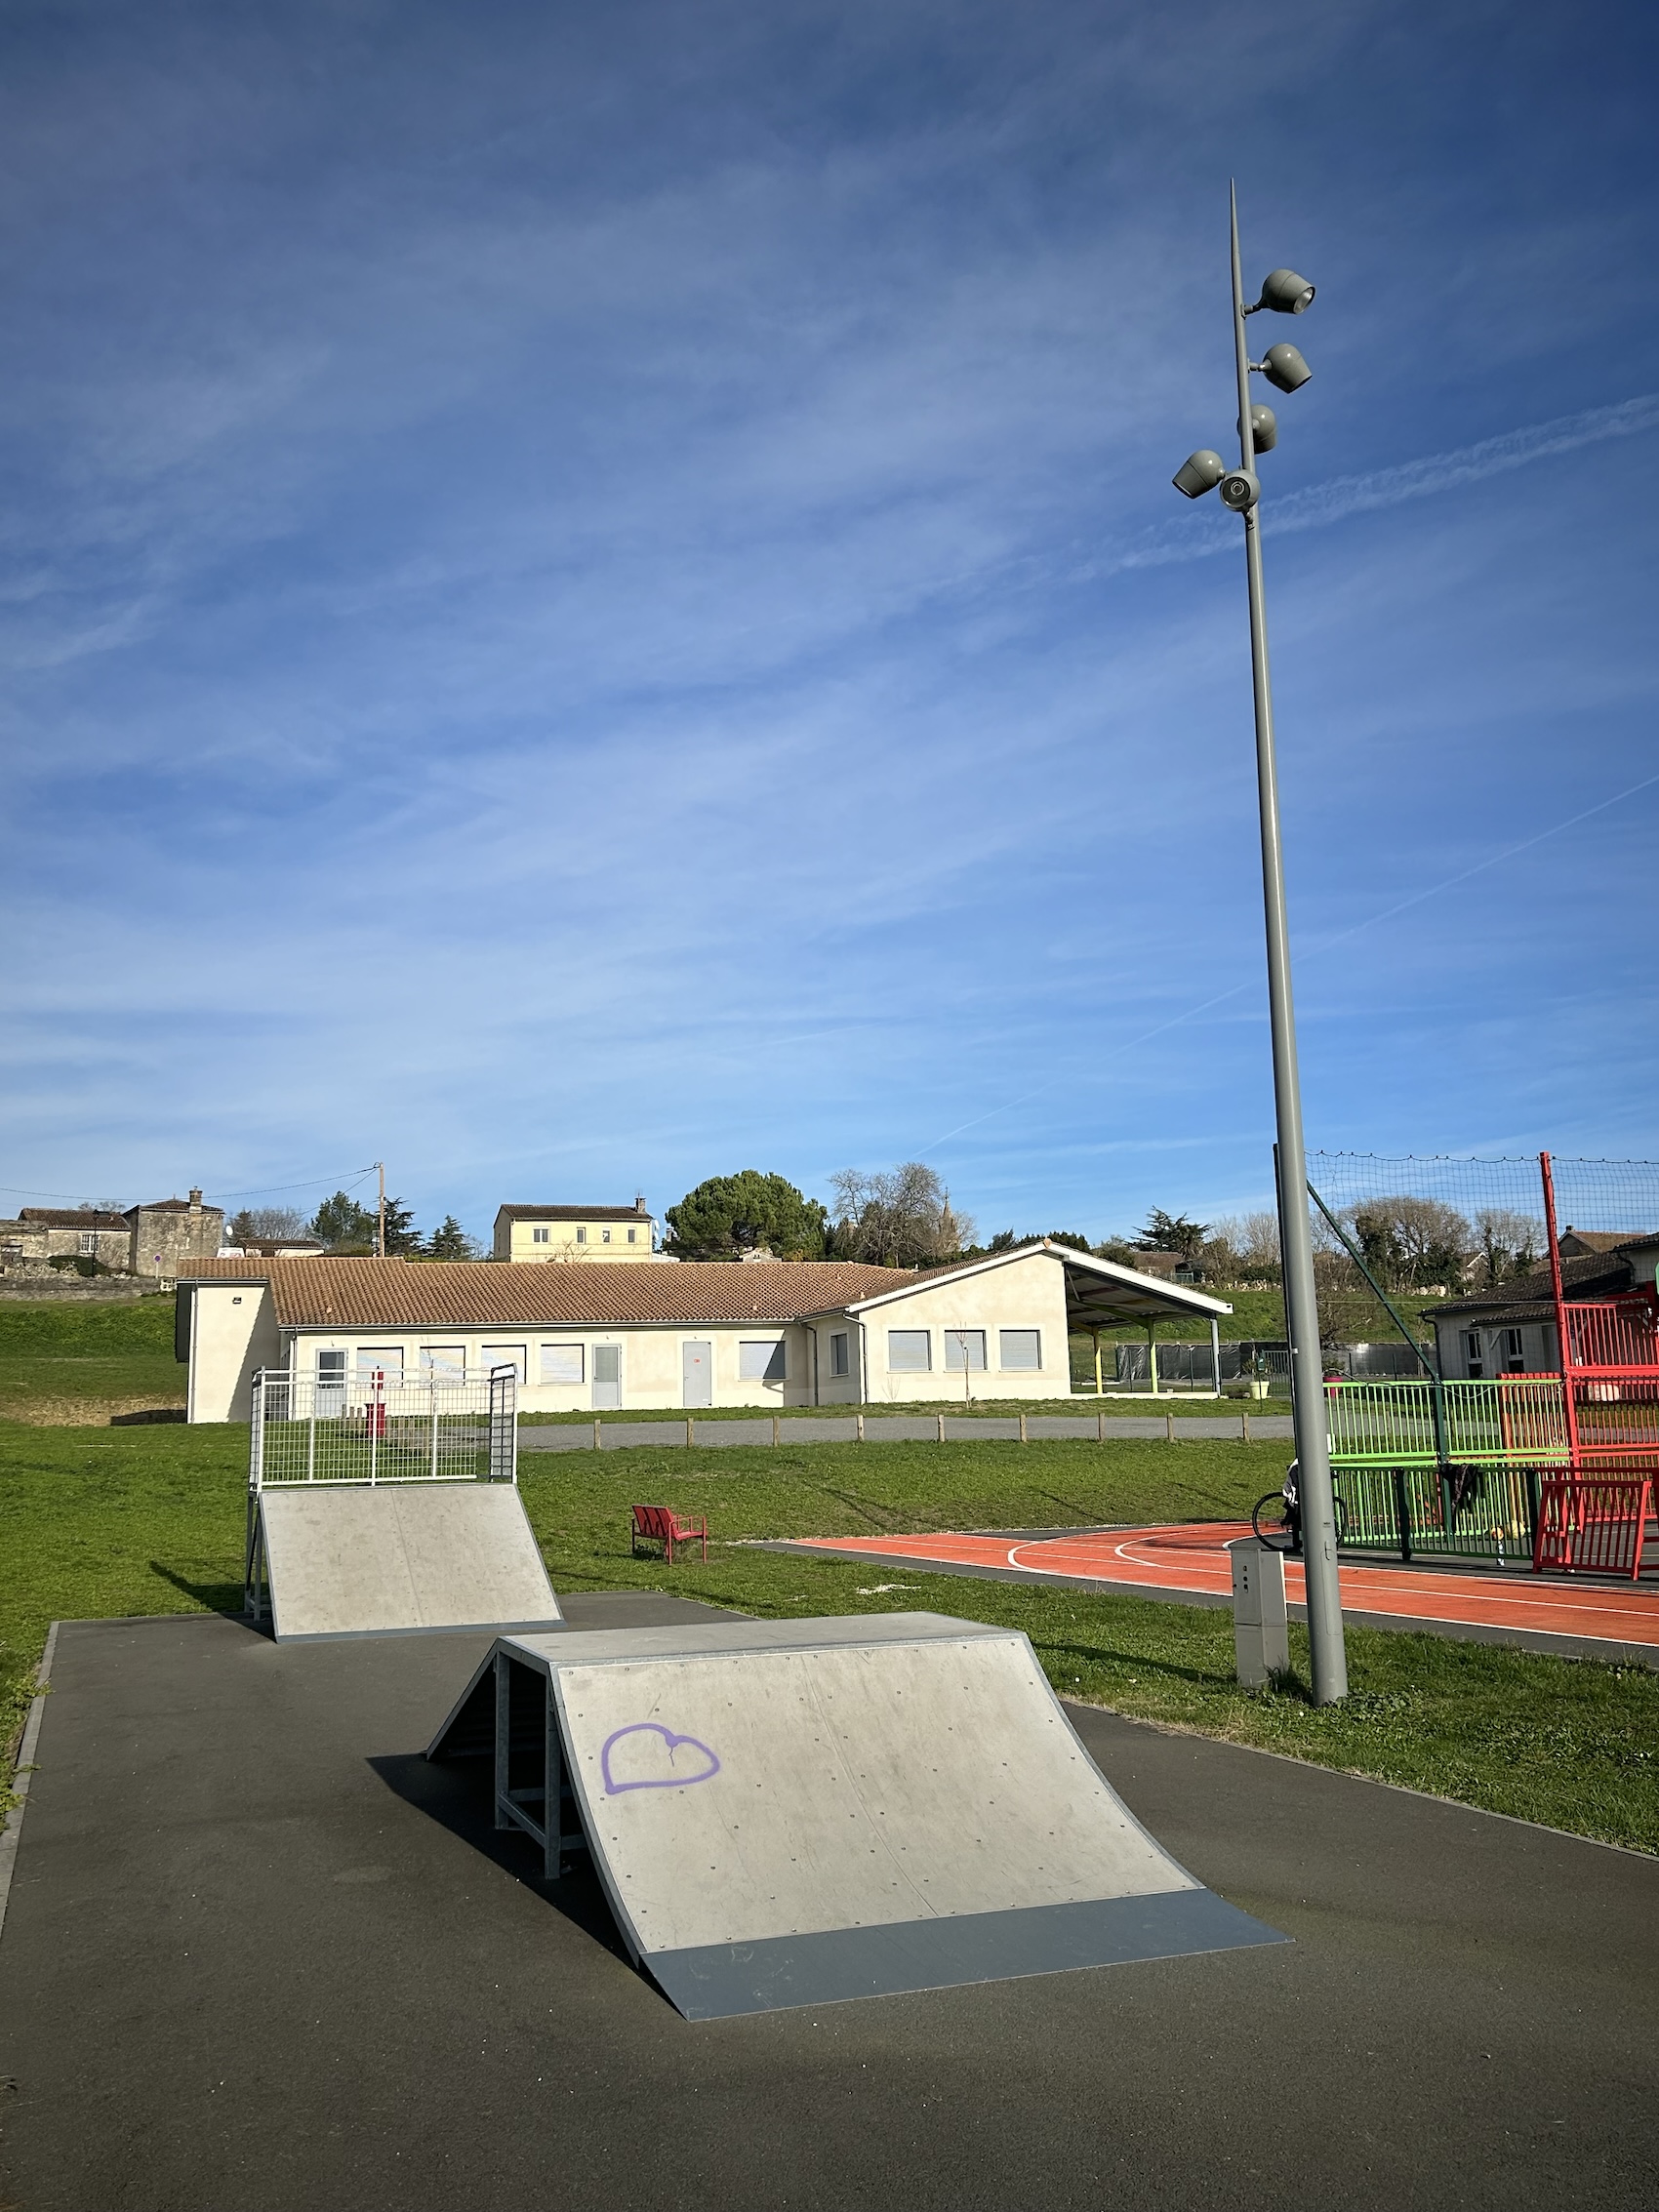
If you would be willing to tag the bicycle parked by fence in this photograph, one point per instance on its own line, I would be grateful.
(1276, 1518)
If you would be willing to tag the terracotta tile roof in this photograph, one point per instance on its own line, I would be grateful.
(78, 1216)
(1593, 1274)
(487, 1294)
(571, 1214)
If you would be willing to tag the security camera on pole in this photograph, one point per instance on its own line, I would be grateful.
(1286, 294)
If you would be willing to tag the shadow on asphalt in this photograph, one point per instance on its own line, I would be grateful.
(456, 1794)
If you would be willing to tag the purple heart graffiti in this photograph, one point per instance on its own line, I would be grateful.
(703, 1768)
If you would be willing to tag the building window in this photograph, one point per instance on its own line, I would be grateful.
(444, 1363)
(964, 1350)
(1514, 1352)
(909, 1351)
(839, 1352)
(1472, 1355)
(89, 1243)
(564, 1363)
(385, 1360)
(1020, 1350)
(604, 1237)
(582, 1236)
(763, 1361)
(633, 1236)
(506, 1355)
(330, 1367)
(539, 1236)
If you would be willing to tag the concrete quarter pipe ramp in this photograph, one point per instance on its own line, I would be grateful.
(786, 1813)
(354, 1560)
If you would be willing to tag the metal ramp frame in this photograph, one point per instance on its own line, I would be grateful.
(796, 1812)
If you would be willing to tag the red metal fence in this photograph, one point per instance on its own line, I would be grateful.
(1593, 1528)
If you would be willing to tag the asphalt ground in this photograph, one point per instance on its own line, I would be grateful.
(260, 1954)
(902, 1428)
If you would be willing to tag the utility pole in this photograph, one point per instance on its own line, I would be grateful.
(381, 1247)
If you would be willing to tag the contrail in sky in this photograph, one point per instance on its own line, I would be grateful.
(1318, 504)
(1312, 951)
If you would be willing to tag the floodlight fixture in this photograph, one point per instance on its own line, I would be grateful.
(1286, 292)
(1263, 427)
(1241, 490)
(1284, 368)
(1199, 473)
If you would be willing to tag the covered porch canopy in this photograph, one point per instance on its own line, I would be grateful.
(1101, 1295)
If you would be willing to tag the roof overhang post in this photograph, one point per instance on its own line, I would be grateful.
(1215, 1354)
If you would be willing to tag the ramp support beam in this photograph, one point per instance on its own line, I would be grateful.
(517, 1807)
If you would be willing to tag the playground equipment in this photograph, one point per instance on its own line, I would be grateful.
(794, 1812)
(379, 1507)
(1556, 1470)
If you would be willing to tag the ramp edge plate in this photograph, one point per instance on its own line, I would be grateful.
(720, 1981)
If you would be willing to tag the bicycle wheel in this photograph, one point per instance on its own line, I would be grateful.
(1273, 1523)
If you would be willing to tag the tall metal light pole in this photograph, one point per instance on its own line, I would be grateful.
(1283, 366)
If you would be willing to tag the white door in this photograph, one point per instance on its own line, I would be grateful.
(696, 1365)
(607, 1375)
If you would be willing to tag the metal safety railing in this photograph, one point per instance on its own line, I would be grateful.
(376, 1427)
(1510, 1420)
(1465, 1513)
(1593, 1527)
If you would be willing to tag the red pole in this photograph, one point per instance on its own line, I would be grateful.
(1563, 1344)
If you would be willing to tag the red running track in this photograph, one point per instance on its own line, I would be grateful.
(1194, 1558)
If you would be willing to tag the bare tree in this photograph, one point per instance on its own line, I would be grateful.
(1413, 1244)
(1243, 1248)
(266, 1222)
(900, 1218)
(1509, 1244)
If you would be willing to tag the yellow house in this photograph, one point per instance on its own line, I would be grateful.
(576, 1232)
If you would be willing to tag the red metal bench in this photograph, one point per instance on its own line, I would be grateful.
(656, 1524)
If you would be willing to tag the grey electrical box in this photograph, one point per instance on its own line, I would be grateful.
(1261, 1627)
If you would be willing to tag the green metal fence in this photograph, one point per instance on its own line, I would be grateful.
(1511, 1420)
(1480, 1498)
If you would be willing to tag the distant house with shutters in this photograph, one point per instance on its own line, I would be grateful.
(1511, 1330)
(716, 1333)
(536, 1233)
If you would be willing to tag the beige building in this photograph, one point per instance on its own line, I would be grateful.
(536, 1233)
(720, 1333)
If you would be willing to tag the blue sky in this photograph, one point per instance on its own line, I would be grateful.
(592, 597)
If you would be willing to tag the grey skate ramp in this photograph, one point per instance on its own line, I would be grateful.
(789, 1813)
(351, 1560)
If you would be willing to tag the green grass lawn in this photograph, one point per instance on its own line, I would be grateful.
(65, 1362)
(99, 1523)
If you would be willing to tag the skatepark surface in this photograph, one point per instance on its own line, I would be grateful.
(259, 1951)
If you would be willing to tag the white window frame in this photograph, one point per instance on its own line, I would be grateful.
(541, 1234)
(633, 1236)
(775, 1368)
(959, 1348)
(1023, 1366)
(581, 1234)
(924, 1366)
(604, 1237)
